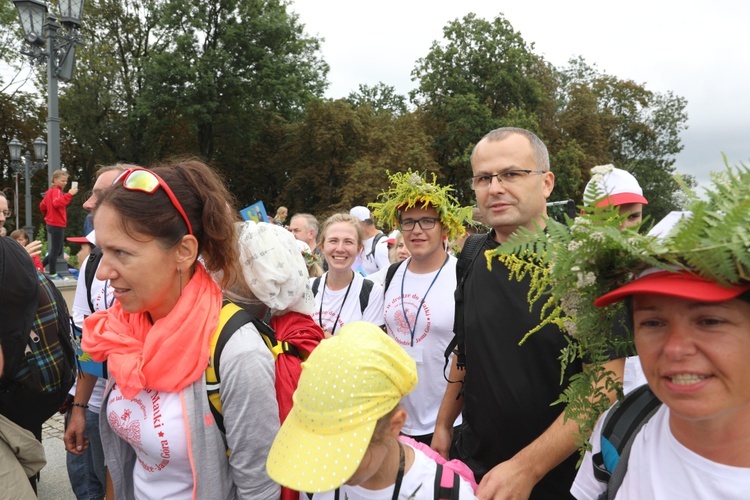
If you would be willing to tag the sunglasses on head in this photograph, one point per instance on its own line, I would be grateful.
(146, 181)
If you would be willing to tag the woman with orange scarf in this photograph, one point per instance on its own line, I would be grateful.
(158, 433)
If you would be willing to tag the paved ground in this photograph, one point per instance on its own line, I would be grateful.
(54, 483)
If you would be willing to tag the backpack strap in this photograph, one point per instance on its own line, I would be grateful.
(390, 274)
(364, 295)
(447, 484)
(92, 264)
(315, 286)
(231, 318)
(472, 248)
(375, 241)
(621, 425)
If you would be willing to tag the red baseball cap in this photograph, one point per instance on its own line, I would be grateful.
(680, 284)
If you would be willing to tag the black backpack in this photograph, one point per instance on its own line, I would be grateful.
(471, 250)
(619, 430)
(92, 264)
(375, 241)
(364, 294)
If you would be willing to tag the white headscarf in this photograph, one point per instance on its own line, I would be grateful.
(274, 268)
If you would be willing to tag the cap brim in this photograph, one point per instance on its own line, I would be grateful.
(316, 462)
(682, 284)
(78, 239)
(622, 199)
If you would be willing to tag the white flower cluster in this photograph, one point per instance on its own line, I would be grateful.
(570, 326)
(602, 169)
(585, 280)
(574, 245)
(571, 303)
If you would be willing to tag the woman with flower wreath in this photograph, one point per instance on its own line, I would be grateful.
(419, 303)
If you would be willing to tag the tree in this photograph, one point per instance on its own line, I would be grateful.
(482, 76)
(381, 97)
(621, 122)
(338, 155)
(230, 61)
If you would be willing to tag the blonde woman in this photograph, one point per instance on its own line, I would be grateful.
(342, 295)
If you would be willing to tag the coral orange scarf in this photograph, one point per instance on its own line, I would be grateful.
(168, 355)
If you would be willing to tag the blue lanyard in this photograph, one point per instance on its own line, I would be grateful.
(413, 329)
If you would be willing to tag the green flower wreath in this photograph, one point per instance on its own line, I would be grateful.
(571, 266)
(410, 189)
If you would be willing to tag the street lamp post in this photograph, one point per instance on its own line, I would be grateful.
(28, 168)
(56, 45)
(41, 29)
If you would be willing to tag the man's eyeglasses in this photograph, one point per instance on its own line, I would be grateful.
(508, 177)
(425, 223)
(146, 181)
(6, 213)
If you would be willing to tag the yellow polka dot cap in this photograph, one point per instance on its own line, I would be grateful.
(348, 383)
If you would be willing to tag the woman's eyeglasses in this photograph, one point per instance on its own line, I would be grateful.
(146, 181)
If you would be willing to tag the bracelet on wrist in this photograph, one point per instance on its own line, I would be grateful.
(80, 405)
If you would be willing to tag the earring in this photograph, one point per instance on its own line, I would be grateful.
(180, 271)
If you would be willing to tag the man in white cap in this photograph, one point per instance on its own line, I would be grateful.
(374, 254)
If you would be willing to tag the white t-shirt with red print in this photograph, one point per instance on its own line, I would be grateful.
(432, 333)
(153, 424)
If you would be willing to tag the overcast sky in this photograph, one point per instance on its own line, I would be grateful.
(698, 50)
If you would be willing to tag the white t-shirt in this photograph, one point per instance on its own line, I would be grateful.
(370, 263)
(432, 334)
(418, 484)
(633, 376)
(378, 277)
(102, 298)
(661, 467)
(152, 424)
(334, 306)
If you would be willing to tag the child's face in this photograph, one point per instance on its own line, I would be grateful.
(23, 241)
(60, 181)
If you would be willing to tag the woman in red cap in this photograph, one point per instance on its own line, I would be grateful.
(690, 318)
(686, 295)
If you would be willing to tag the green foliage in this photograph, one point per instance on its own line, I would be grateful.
(337, 156)
(382, 98)
(482, 76)
(231, 57)
(621, 122)
(410, 189)
(572, 266)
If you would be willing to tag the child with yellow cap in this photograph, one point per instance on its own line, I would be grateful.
(341, 439)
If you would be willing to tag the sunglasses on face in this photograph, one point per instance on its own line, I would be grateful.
(146, 181)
